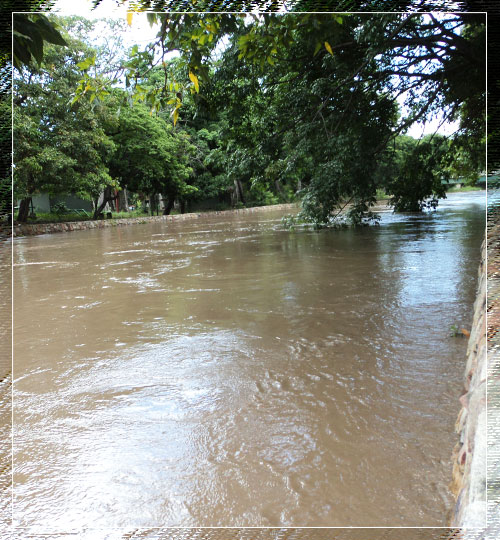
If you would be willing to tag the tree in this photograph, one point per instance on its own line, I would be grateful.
(209, 163)
(336, 81)
(58, 148)
(301, 103)
(151, 156)
(451, 49)
(29, 35)
(5, 178)
(421, 170)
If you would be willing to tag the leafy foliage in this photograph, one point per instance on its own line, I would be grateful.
(151, 157)
(262, 108)
(322, 90)
(421, 174)
(58, 149)
(30, 32)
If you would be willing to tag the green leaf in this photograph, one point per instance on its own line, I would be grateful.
(49, 31)
(35, 43)
(152, 18)
(317, 48)
(85, 64)
(21, 53)
(242, 40)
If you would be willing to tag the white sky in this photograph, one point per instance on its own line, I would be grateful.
(140, 32)
(417, 130)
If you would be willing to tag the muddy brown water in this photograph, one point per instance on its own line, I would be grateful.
(227, 372)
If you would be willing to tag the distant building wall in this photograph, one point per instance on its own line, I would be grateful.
(44, 203)
(41, 203)
(72, 202)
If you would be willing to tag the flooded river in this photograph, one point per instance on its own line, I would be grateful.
(227, 372)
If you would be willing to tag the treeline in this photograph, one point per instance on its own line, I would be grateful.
(253, 111)
(92, 147)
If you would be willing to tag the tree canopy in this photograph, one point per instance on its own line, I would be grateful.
(264, 108)
(58, 149)
(326, 89)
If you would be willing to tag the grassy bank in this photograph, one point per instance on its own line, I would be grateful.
(57, 217)
(464, 189)
(69, 217)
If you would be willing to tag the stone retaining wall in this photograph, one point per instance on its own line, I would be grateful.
(477, 455)
(29, 229)
(469, 455)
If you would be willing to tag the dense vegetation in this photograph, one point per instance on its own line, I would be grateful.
(254, 110)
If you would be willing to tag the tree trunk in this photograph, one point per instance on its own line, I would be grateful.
(238, 192)
(182, 204)
(170, 204)
(152, 204)
(109, 196)
(279, 190)
(24, 210)
(123, 200)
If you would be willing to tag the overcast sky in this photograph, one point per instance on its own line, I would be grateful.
(140, 32)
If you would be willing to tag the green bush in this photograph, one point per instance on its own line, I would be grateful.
(60, 209)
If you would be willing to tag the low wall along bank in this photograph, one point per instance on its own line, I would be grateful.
(29, 229)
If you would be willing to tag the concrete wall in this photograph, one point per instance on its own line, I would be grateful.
(43, 203)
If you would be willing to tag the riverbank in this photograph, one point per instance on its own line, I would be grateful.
(469, 455)
(476, 455)
(28, 229)
(33, 229)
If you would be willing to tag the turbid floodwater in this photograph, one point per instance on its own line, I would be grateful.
(226, 371)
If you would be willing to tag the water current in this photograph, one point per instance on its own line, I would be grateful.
(225, 371)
